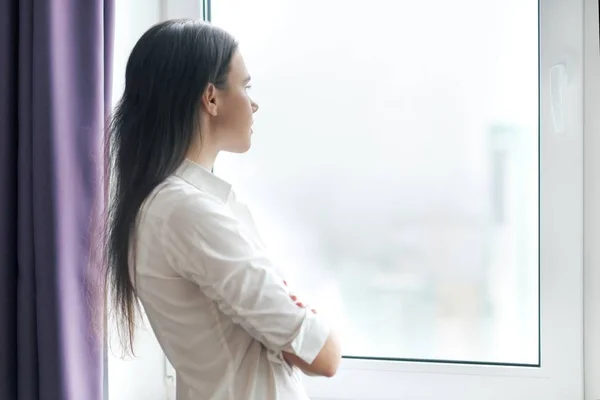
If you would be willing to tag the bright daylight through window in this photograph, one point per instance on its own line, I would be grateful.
(394, 168)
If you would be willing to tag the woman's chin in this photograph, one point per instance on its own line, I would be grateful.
(240, 148)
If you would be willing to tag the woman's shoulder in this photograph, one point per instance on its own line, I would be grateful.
(176, 197)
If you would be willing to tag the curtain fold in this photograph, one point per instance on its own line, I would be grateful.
(55, 61)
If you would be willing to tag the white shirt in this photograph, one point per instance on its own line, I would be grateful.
(217, 305)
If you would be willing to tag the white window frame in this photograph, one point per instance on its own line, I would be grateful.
(591, 187)
(565, 167)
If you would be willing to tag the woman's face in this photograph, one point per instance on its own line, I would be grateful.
(231, 124)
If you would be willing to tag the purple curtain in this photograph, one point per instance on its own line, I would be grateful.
(55, 58)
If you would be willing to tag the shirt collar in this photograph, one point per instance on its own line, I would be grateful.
(201, 178)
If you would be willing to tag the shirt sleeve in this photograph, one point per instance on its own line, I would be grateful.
(208, 245)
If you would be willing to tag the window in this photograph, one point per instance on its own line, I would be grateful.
(396, 173)
(394, 169)
(409, 170)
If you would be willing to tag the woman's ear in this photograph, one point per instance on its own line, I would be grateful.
(209, 100)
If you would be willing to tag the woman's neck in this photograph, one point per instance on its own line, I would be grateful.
(204, 156)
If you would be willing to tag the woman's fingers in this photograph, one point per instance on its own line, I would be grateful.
(295, 299)
(298, 302)
(301, 305)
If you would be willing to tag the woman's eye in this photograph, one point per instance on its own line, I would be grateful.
(248, 88)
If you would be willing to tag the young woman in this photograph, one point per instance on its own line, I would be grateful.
(182, 244)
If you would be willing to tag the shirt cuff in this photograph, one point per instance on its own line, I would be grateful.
(311, 337)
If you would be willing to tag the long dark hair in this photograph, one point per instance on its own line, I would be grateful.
(150, 133)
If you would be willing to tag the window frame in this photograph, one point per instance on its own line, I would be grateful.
(561, 372)
(591, 272)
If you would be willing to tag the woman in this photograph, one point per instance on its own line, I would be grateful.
(181, 243)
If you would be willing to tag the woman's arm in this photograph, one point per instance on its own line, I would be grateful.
(206, 244)
(326, 363)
